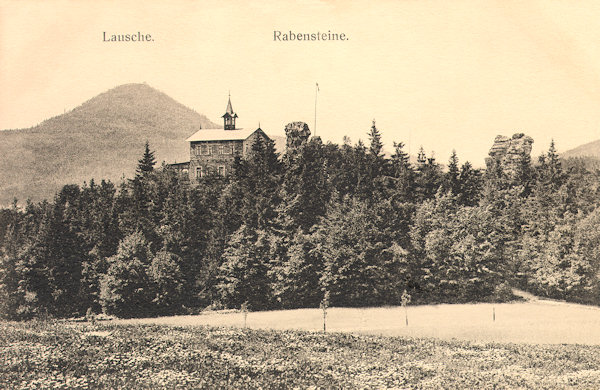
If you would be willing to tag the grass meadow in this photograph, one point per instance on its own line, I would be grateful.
(534, 322)
(363, 348)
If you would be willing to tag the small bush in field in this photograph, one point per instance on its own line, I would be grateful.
(244, 310)
(405, 301)
(90, 315)
(323, 306)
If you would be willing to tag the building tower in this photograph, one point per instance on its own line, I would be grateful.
(229, 117)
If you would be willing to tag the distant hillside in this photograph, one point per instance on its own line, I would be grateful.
(591, 149)
(586, 155)
(101, 139)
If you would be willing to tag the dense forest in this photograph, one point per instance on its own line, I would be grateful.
(343, 223)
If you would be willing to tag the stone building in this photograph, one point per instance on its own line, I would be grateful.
(213, 151)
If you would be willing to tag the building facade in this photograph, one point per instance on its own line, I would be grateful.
(213, 151)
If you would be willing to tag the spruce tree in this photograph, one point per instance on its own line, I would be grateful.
(429, 177)
(550, 170)
(524, 176)
(451, 182)
(305, 189)
(471, 183)
(146, 163)
(243, 275)
(361, 262)
(403, 173)
(376, 146)
(400, 159)
(421, 158)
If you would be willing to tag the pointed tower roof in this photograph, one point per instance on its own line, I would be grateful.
(229, 110)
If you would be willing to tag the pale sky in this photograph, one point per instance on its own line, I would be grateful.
(441, 74)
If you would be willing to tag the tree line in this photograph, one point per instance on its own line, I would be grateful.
(343, 221)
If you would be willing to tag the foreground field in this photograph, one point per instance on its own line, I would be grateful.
(79, 355)
(533, 322)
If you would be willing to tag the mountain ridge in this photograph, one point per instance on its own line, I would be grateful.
(102, 139)
(590, 149)
(584, 156)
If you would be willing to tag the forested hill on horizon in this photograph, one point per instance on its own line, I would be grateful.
(591, 149)
(102, 138)
(586, 154)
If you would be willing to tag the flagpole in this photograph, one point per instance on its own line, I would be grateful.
(316, 94)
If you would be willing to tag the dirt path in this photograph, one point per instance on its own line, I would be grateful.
(525, 295)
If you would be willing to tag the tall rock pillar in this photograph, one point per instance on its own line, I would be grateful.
(297, 134)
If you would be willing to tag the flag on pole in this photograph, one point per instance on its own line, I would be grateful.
(318, 87)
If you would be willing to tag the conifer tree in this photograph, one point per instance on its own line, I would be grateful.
(421, 158)
(361, 263)
(14, 281)
(305, 189)
(400, 159)
(376, 146)
(146, 163)
(59, 251)
(524, 176)
(403, 173)
(295, 280)
(458, 249)
(470, 183)
(256, 183)
(550, 170)
(451, 180)
(243, 275)
(429, 177)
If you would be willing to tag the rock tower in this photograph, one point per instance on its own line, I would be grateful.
(297, 134)
(508, 152)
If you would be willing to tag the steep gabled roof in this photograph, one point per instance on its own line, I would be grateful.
(222, 135)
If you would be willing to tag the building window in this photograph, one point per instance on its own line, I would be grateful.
(204, 148)
(227, 149)
(221, 170)
(221, 149)
(198, 172)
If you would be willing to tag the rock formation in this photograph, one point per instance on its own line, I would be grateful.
(508, 152)
(297, 134)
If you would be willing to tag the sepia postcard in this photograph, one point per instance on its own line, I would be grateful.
(299, 194)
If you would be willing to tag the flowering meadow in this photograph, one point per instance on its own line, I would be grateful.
(38, 355)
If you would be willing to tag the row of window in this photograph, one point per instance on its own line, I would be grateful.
(205, 149)
(200, 172)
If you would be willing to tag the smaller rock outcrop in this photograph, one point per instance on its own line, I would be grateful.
(508, 152)
(297, 134)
